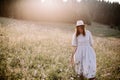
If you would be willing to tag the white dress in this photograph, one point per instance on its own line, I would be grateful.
(84, 57)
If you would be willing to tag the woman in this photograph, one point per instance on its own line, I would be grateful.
(84, 57)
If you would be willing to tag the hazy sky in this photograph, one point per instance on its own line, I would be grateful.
(114, 0)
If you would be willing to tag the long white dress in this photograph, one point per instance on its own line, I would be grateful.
(84, 57)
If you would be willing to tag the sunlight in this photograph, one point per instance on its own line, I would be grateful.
(42, 1)
(78, 0)
(65, 0)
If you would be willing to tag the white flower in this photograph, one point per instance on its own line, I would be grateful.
(35, 72)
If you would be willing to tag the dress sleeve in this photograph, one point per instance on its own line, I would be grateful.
(91, 39)
(74, 40)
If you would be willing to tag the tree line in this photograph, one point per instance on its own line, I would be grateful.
(88, 10)
(105, 12)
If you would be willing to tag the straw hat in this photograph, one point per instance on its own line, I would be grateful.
(79, 22)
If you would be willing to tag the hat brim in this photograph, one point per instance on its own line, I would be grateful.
(79, 25)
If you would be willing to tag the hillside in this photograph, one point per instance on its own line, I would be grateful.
(42, 51)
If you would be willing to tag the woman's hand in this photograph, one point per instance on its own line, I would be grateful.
(72, 57)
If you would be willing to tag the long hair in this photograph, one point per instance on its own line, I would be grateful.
(78, 32)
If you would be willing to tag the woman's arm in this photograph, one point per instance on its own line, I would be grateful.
(74, 51)
(74, 44)
(72, 57)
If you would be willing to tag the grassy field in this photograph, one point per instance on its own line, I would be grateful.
(42, 51)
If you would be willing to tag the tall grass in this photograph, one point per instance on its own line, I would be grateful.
(42, 51)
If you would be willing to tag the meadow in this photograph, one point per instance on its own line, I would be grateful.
(42, 50)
